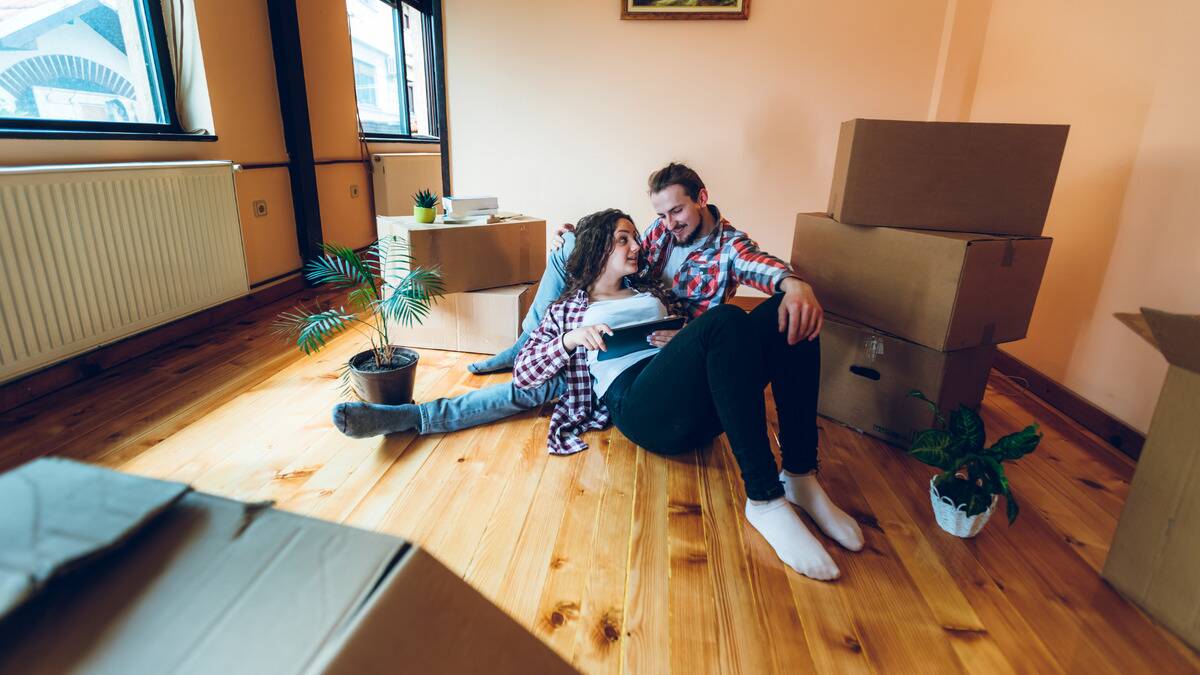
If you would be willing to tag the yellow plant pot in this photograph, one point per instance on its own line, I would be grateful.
(424, 215)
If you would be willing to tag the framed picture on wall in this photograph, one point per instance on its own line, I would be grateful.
(685, 9)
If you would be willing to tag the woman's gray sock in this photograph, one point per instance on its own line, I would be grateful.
(362, 420)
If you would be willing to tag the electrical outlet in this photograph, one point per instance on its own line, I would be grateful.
(354, 191)
(260, 207)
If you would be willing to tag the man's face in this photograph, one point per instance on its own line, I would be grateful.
(680, 213)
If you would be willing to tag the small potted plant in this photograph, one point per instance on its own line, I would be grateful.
(425, 206)
(972, 479)
(383, 286)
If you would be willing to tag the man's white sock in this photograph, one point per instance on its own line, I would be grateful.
(804, 491)
(793, 543)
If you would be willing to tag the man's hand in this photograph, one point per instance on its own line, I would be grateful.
(588, 337)
(800, 315)
(660, 338)
(558, 240)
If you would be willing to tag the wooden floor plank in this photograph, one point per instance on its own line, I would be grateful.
(601, 633)
(693, 628)
(741, 631)
(559, 610)
(648, 647)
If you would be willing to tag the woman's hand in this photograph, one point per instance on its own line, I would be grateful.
(588, 337)
(660, 338)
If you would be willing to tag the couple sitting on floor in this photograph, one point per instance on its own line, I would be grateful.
(692, 385)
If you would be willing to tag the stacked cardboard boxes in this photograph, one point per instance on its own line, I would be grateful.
(931, 254)
(490, 270)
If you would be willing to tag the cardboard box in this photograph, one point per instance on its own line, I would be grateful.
(958, 176)
(866, 375)
(1155, 555)
(140, 576)
(484, 322)
(474, 256)
(943, 290)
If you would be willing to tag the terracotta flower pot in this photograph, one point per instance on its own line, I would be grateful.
(424, 215)
(390, 385)
(954, 519)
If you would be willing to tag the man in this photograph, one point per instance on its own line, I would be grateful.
(698, 255)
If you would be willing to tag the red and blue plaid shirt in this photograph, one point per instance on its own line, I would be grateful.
(708, 276)
(712, 273)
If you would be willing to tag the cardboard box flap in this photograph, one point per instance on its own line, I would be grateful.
(55, 514)
(1177, 336)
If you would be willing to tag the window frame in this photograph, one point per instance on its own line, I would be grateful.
(430, 24)
(152, 14)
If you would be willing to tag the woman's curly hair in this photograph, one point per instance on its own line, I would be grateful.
(593, 243)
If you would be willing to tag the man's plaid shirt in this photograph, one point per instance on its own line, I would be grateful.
(708, 276)
(712, 272)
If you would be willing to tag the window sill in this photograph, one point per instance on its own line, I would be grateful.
(402, 139)
(105, 135)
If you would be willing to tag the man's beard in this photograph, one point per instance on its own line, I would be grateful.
(691, 237)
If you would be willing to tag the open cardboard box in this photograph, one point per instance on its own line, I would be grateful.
(102, 572)
(958, 176)
(943, 290)
(474, 256)
(1155, 555)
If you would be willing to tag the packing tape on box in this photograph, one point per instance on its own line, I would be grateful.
(989, 333)
(524, 264)
(1010, 252)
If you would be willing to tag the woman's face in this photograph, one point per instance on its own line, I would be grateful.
(623, 260)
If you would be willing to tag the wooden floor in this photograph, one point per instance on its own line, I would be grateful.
(625, 561)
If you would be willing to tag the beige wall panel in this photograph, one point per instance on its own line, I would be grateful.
(270, 240)
(345, 220)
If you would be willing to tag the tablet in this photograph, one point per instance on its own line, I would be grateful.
(631, 338)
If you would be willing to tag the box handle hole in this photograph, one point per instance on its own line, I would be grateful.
(869, 373)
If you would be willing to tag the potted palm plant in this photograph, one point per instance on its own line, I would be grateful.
(425, 206)
(972, 479)
(383, 286)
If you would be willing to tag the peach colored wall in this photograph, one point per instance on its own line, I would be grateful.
(560, 108)
(1123, 215)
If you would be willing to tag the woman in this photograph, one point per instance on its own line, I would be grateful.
(708, 379)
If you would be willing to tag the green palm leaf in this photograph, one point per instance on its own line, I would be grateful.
(315, 330)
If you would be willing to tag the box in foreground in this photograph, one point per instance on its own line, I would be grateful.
(103, 572)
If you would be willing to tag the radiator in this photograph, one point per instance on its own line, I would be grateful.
(396, 177)
(91, 254)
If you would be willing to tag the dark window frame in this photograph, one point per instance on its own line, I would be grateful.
(430, 12)
(157, 52)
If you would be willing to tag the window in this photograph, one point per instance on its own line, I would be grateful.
(396, 39)
(364, 82)
(85, 66)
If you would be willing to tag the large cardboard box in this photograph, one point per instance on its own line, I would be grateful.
(474, 256)
(943, 290)
(103, 572)
(485, 322)
(1155, 555)
(958, 176)
(866, 375)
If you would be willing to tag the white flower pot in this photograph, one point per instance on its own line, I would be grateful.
(954, 519)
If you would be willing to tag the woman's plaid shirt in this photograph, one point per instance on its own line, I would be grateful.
(543, 356)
